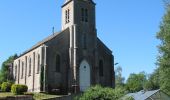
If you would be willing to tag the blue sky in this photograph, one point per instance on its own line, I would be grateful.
(127, 27)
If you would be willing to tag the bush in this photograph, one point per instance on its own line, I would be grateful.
(128, 98)
(19, 89)
(0, 86)
(100, 93)
(6, 86)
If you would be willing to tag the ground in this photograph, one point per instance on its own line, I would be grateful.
(36, 96)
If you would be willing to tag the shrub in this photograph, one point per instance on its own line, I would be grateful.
(6, 86)
(127, 98)
(0, 86)
(19, 89)
(100, 93)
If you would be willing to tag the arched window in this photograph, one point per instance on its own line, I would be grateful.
(82, 14)
(38, 63)
(22, 71)
(100, 68)
(29, 71)
(58, 63)
(67, 16)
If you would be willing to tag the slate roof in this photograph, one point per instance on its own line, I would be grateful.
(141, 95)
(53, 36)
(104, 46)
(42, 42)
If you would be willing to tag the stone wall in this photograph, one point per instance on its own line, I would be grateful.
(22, 72)
(58, 46)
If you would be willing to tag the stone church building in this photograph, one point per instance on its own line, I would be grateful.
(70, 60)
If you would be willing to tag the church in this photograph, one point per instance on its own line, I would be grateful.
(70, 60)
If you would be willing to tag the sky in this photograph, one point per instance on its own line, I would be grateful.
(127, 27)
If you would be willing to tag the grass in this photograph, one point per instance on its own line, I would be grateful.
(5, 94)
(36, 96)
(40, 96)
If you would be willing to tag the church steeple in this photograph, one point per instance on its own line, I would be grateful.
(79, 12)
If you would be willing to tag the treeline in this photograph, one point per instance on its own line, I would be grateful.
(160, 78)
(137, 82)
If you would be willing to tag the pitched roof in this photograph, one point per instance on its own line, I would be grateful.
(42, 42)
(142, 95)
(104, 46)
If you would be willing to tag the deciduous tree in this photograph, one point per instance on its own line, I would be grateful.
(4, 72)
(164, 51)
(135, 82)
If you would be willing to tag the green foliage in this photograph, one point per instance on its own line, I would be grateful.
(0, 86)
(119, 80)
(164, 52)
(4, 72)
(148, 85)
(99, 93)
(6, 86)
(129, 98)
(19, 89)
(135, 82)
(153, 82)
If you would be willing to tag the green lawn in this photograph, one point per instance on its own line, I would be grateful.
(40, 96)
(36, 96)
(5, 94)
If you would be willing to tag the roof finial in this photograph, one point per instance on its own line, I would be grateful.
(53, 30)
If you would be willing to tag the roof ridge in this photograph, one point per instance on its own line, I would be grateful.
(48, 38)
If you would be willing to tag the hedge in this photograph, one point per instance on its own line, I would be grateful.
(19, 89)
(6, 86)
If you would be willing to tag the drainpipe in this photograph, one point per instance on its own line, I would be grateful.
(71, 58)
(75, 58)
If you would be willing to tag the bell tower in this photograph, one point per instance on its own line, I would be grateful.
(79, 17)
(79, 12)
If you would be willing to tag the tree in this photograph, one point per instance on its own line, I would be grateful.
(118, 76)
(153, 81)
(167, 3)
(164, 51)
(135, 82)
(4, 72)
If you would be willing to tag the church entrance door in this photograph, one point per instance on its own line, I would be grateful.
(84, 78)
